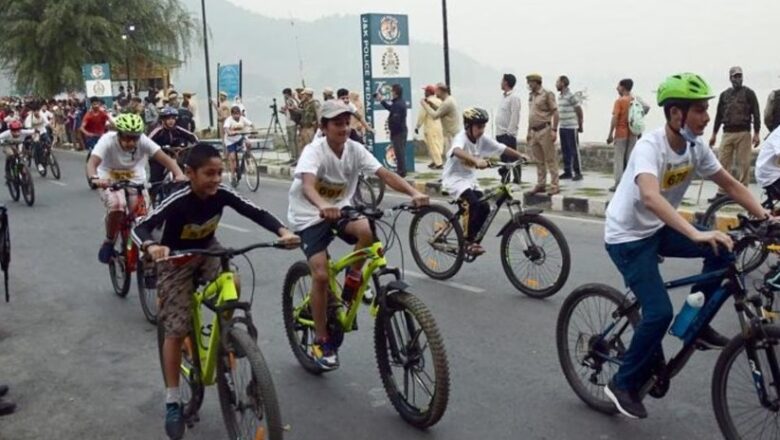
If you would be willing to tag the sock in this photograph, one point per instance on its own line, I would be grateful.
(172, 395)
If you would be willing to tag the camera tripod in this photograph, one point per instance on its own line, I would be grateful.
(276, 126)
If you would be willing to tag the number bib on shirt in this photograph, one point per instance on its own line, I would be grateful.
(196, 232)
(676, 174)
(121, 174)
(330, 191)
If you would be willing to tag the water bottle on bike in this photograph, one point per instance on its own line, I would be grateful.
(690, 309)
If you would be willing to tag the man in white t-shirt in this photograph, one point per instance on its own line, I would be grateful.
(122, 155)
(235, 128)
(768, 164)
(643, 223)
(326, 178)
(469, 151)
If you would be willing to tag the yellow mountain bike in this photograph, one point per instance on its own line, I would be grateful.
(225, 352)
(409, 349)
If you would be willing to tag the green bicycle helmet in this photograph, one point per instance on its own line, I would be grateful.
(129, 123)
(683, 87)
(475, 115)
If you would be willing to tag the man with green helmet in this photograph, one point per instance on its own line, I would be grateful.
(643, 223)
(122, 155)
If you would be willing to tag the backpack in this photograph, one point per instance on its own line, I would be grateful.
(636, 116)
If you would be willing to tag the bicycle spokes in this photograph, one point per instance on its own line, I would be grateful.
(411, 359)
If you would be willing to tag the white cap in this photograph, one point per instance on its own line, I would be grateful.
(333, 108)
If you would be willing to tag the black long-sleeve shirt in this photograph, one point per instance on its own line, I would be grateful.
(190, 222)
(737, 111)
(396, 122)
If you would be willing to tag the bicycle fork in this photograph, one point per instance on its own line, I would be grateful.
(759, 381)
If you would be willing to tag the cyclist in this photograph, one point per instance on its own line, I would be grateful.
(469, 148)
(171, 135)
(93, 124)
(235, 129)
(326, 178)
(38, 121)
(190, 217)
(15, 134)
(122, 155)
(768, 164)
(643, 223)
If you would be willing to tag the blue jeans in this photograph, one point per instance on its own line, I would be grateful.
(637, 261)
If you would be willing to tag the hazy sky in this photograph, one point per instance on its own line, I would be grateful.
(594, 42)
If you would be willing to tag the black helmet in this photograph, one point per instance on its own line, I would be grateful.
(475, 115)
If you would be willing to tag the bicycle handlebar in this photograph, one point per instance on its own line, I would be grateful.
(351, 213)
(507, 165)
(122, 184)
(227, 252)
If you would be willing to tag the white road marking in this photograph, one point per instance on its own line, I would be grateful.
(233, 228)
(57, 183)
(454, 284)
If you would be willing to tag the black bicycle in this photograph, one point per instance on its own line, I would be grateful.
(534, 253)
(18, 178)
(246, 167)
(5, 248)
(370, 191)
(596, 323)
(44, 158)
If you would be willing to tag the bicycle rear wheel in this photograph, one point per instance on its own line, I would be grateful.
(54, 165)
(120, 279)
(246, 392)
(735, 399)
(190, 387)
(436, 240)
(535, 256)
(251, 171)
(364, 196)
(27, 186)
(587, 351)
(147, 289)
(412, 360)
(297, 286)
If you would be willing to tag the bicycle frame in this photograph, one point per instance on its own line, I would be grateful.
(500, 196)
(372, 270)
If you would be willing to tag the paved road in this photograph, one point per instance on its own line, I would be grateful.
(83, 364)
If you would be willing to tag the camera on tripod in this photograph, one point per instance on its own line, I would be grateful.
(274, 107)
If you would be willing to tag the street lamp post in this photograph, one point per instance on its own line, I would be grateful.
(129, 29)
(446, 45)
(208, 68)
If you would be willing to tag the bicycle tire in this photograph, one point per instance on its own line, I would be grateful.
(380, 190)
(147, 295)
(717, 216)
(299, 344)
(720, 379)
(708, 219)
(190, 406)
(596, 399)
(408, 304)
(364, 195)
(13, 184)
(261, 386)
(116, 266)
(27, 186)
(527, 284)
(251, 171)
(459, 253)
(55, 166)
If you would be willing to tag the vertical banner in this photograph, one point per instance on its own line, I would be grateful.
(384, 62)
(97, 81)
(229, 80)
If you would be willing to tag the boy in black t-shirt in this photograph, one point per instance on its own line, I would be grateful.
(190, 217)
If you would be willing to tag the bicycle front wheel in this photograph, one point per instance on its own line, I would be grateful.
(745, 365)
(588, 348)
(120, 279)
(535, 256)
(246, 392)
(147, 289)
(436, 239)
(364, 195)
(54, 165)
(27, 186)
(722, 215)
(296, 290)
(412, 360)
(251, 171)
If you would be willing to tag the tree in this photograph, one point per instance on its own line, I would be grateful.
(44, 43)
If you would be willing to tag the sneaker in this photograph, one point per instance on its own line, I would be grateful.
(41, 168)
(106, 252)
(325, 355)
(625, 401)
(174, 421)
(565, 176)
(710, 339)
(577, 177)
(553, 191)
(7, 408)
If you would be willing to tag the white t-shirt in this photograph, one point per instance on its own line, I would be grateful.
(768, 161)
(459, 176)
(36, 122)
(337, 179)
(118, 164)
(627, 217)
(242, 124)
